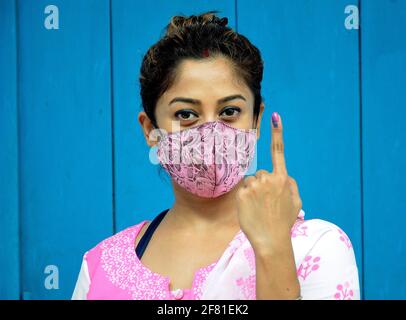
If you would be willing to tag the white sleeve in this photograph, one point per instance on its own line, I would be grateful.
(82, 283)
(329, 270)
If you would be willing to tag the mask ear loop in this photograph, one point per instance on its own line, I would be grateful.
(157, 129)
(156, 134)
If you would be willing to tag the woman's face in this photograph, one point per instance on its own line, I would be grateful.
(204, 90)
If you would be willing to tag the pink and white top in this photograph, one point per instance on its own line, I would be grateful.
(324, 256)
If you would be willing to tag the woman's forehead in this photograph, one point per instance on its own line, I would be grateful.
(201, 79)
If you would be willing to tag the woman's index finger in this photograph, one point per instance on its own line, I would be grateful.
(277, 146)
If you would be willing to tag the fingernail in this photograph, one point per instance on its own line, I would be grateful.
(275, 119)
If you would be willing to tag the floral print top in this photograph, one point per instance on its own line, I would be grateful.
(324, 257)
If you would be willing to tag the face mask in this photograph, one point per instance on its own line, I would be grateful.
(207, 160)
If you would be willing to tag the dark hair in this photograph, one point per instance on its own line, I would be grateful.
(196, 37)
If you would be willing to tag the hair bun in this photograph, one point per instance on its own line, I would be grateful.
(223, 21)
(178, 23)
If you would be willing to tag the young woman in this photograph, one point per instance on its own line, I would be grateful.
(226, 236)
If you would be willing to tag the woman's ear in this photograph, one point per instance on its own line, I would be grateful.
(147, 127)
(261, 111)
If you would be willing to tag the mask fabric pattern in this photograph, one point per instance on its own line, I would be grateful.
(207, 160)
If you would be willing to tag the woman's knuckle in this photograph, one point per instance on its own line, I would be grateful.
(282, 179)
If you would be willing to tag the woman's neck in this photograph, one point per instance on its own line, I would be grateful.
(203, 214)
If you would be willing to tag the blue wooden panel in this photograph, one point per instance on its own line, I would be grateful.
(55, 120)
(311, 79)
(140, 191)
(9, 239)
(65, 130)
(383, 26)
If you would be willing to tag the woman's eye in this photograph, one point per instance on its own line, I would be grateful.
(230, 112)
(185, 115)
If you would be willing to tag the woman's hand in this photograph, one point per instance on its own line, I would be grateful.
(269, 203)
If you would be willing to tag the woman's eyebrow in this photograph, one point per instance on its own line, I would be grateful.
(198, 102)
(232, 97)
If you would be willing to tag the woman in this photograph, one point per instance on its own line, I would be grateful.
(226, 236)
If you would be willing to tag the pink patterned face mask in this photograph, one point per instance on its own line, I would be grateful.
(207, 160)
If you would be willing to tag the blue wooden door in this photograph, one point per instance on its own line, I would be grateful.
(383, 54)
(9, 199)
(75, 167)
(64, 160)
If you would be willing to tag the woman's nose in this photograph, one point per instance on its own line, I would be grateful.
(210, 117)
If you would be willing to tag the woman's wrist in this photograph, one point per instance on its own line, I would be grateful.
(271, 247)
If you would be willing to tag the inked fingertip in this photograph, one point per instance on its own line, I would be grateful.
(275, 119)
